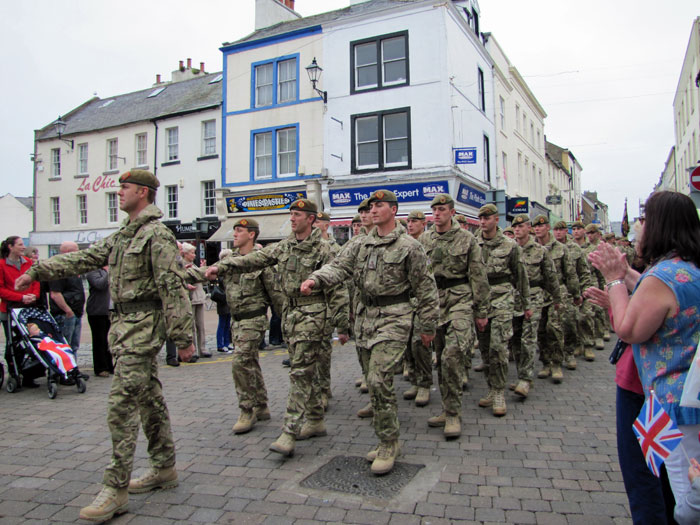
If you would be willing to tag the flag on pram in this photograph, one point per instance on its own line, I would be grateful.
(61, 354)
(656, 432)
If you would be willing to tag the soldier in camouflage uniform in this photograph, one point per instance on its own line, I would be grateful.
(587, 319)
(323, 222)
(146, 284)
(464, 292)
(417, 357)
(600, 318)
(387, 266)
(575, 343)
(462, 220)
(544, 287)
(505, 272)
(248, 296)
(365, 226)
(551, 333)
(304, 318)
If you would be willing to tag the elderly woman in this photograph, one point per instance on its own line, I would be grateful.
(661, 319)
(197, 296)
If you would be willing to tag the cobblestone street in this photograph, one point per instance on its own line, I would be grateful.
(550, 460)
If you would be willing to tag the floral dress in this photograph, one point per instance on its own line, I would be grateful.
(664, 360)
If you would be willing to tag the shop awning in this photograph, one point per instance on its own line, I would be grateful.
(272, 227)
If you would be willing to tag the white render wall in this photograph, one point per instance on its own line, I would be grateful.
(15, 218)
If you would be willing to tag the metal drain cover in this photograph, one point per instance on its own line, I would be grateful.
(351, 474)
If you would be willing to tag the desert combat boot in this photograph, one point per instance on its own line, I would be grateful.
(246, 421)
(153, 479)
(284, 444)
(422, 397)
(311, 429)
(386, 455)
(453, 427)
(109, 502)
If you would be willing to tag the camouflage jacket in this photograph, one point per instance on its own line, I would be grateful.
(564, 266)
(506, 272)
(295, 261)
(247, 292)
(583, 269)
(456, 254)
(597, 276)
(393, 265)
(541, 274)
(143, 266)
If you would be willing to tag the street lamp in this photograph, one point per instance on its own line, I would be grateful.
(60, 127)
(314, 71)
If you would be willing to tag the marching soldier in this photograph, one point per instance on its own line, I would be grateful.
(551, 335)
(463, 289)
(574, 330)
(462, 220)
(388, 266)
(542, 277)
(601, 316)
(304, 318)
(417, 357)
(505, 272)
(248, 296)
(365, 227)
(146, 284)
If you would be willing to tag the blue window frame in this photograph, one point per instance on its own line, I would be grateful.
(275, 82)
(274, 153)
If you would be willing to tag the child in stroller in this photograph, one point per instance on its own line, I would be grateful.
(37, 344)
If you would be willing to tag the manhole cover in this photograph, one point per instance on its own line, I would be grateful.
(351, 475)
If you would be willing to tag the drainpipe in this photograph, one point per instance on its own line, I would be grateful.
(155, 148)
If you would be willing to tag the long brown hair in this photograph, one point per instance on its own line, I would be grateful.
(671, 227)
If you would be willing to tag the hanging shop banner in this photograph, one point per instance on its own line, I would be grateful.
(471, 196)
(269, 201)
(517, 205)
(465, 155)
(415, 192)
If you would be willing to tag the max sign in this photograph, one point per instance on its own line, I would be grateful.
(102, 182)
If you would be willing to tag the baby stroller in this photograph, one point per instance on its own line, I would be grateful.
(31, 354)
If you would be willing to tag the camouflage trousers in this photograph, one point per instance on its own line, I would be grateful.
(453, 341)
(323, 369)
(493, 345)
(137, 394)
(572, 338)
(600, 321)
(382, 359)
(304, 398)
(550, 337)
(245, 368)
(524, 343)
(417, 359)
(585, 322)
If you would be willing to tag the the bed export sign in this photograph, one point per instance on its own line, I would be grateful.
(414, 192)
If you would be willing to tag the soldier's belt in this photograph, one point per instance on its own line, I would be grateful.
(384, 300)
(536, 283)
(306, 300)
(137, 306)
(493, 281)
(250, 314)
(447, 282)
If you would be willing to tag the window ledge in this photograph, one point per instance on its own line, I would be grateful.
(143, 167)
(170, 163)
(54, 178)
(110, 172)
(81, 176)
(207, 157)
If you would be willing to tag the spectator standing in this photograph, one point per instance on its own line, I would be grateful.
(218, 295)
(32, 253)
(12, 265)
(197, 297)
(67, 301)
(97, 309)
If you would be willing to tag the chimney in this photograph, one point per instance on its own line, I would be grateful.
(289, 4)
(182, 65)
(271, 12)
(158, 78)
(201, 67)
(189, 63)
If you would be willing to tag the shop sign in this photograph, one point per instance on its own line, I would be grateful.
(465, 155)
(470, 196)
(414, 192)
(517, 205)
(101, 183)
(267, 202)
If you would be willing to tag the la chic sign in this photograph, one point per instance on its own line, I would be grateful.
(102, 182)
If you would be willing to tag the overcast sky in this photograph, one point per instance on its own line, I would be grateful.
(604, 71)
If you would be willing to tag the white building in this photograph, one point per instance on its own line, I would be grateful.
(563, 181)
(409, 89)
(668, 179)
(171, 128)
(16, 216)
(521, 168)
(686, 105)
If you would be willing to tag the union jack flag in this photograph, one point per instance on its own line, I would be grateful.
(656, 432)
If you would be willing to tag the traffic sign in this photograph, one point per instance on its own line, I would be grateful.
(695, 179)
